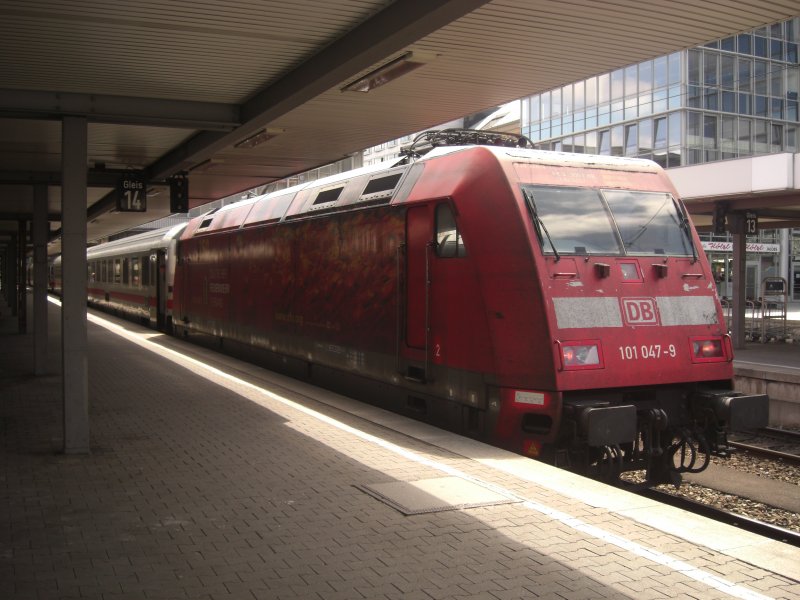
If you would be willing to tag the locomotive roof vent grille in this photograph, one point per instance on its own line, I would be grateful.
(428, 140)
(381, 187)
(206, 222)
(328, 196)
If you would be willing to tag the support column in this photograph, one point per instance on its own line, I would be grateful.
(22, 277)
(739, 287)
(73, 301)
(40, 230)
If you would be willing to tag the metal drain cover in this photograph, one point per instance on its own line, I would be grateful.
(434, 495)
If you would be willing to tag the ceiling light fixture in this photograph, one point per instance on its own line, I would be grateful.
(259, 137)
(389, 72)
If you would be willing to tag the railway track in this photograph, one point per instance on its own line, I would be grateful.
(752, 525)
(774, 443)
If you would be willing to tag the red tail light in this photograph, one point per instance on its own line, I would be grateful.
(708, 349)
(583, 354)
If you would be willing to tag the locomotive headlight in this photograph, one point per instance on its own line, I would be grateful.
(708, 349)
(584, 354)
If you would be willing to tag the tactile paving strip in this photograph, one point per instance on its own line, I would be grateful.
(434, 495)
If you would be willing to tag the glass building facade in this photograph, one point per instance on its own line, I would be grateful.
(732, 98)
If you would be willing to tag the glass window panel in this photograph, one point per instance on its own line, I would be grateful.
(535, 114)
(591, 91)
(728, 102)
(791, 110)
(776, 82)
(745, 132)
(760, 46)
(649, 223)
(591, 142)
(674, 129)
(727, 71)
(760, 106)
(591, 118)
(760, 79)
(695, 66)
(580, 144)
(714, 44)
(660, 72)
(711, 99)
(616, 111)
(604, 114)
(557, 146)
(693, 129)
(728, 44)
(674, 62)
(791, 138)
(776, 30)
(603, 88)
(792, 82)
(710, 68)
(660, 100)
(760, 137)
(793, 29)
(694, 156)
(567, 144)
(762, 31)
(776, 50)
(616, 140)
(745, 104)
(604, 142)
(675, 97)
(576, 220)
(791, 52)
(566, 124)
(631, 108)
(660, 133)
(631, 139)
(578, 96)
(631, 80)
(776, 110)
(566, 100)
(674, 157)
(645, 104)
(745, 74)
(728, 137)
(555, 128)
(546, 105)
(646, 76)
(645, 135)
(710, 131)
(660, 158)
(617, 87)
(777, 137)
(555, 102)
(745, 43)
(449, 243)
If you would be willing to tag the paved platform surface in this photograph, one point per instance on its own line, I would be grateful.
(211, 478)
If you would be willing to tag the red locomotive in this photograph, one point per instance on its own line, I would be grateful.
(556, 305)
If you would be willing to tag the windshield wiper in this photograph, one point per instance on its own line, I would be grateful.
(540, 226)
(687, 229)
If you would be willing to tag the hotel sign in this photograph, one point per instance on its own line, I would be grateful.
(750, 247)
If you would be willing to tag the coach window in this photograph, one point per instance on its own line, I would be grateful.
(117, 270)
(125, 271)
(448, 238)
(135, 271)
(145, 271)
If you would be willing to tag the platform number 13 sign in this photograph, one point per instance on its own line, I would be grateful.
(750, 223)
(132, 193)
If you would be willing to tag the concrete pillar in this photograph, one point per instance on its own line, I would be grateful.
(739, 287)
(73, 301)
(22, 277)
(40, 231)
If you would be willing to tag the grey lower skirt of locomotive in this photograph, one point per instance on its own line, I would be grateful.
(665, 431)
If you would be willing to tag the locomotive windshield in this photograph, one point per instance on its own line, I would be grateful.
(573, 220)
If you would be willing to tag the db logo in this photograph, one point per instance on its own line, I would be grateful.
(640, 311)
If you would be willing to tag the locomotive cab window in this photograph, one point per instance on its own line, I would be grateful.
(449, 243)
(572, 220)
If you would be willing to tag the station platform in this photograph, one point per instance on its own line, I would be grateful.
(212, 478)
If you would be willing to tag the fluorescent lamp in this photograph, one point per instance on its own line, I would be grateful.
(388, 72)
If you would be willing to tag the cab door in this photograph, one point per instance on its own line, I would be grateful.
(419, 238)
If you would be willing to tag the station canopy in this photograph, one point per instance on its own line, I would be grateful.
(238, 94)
